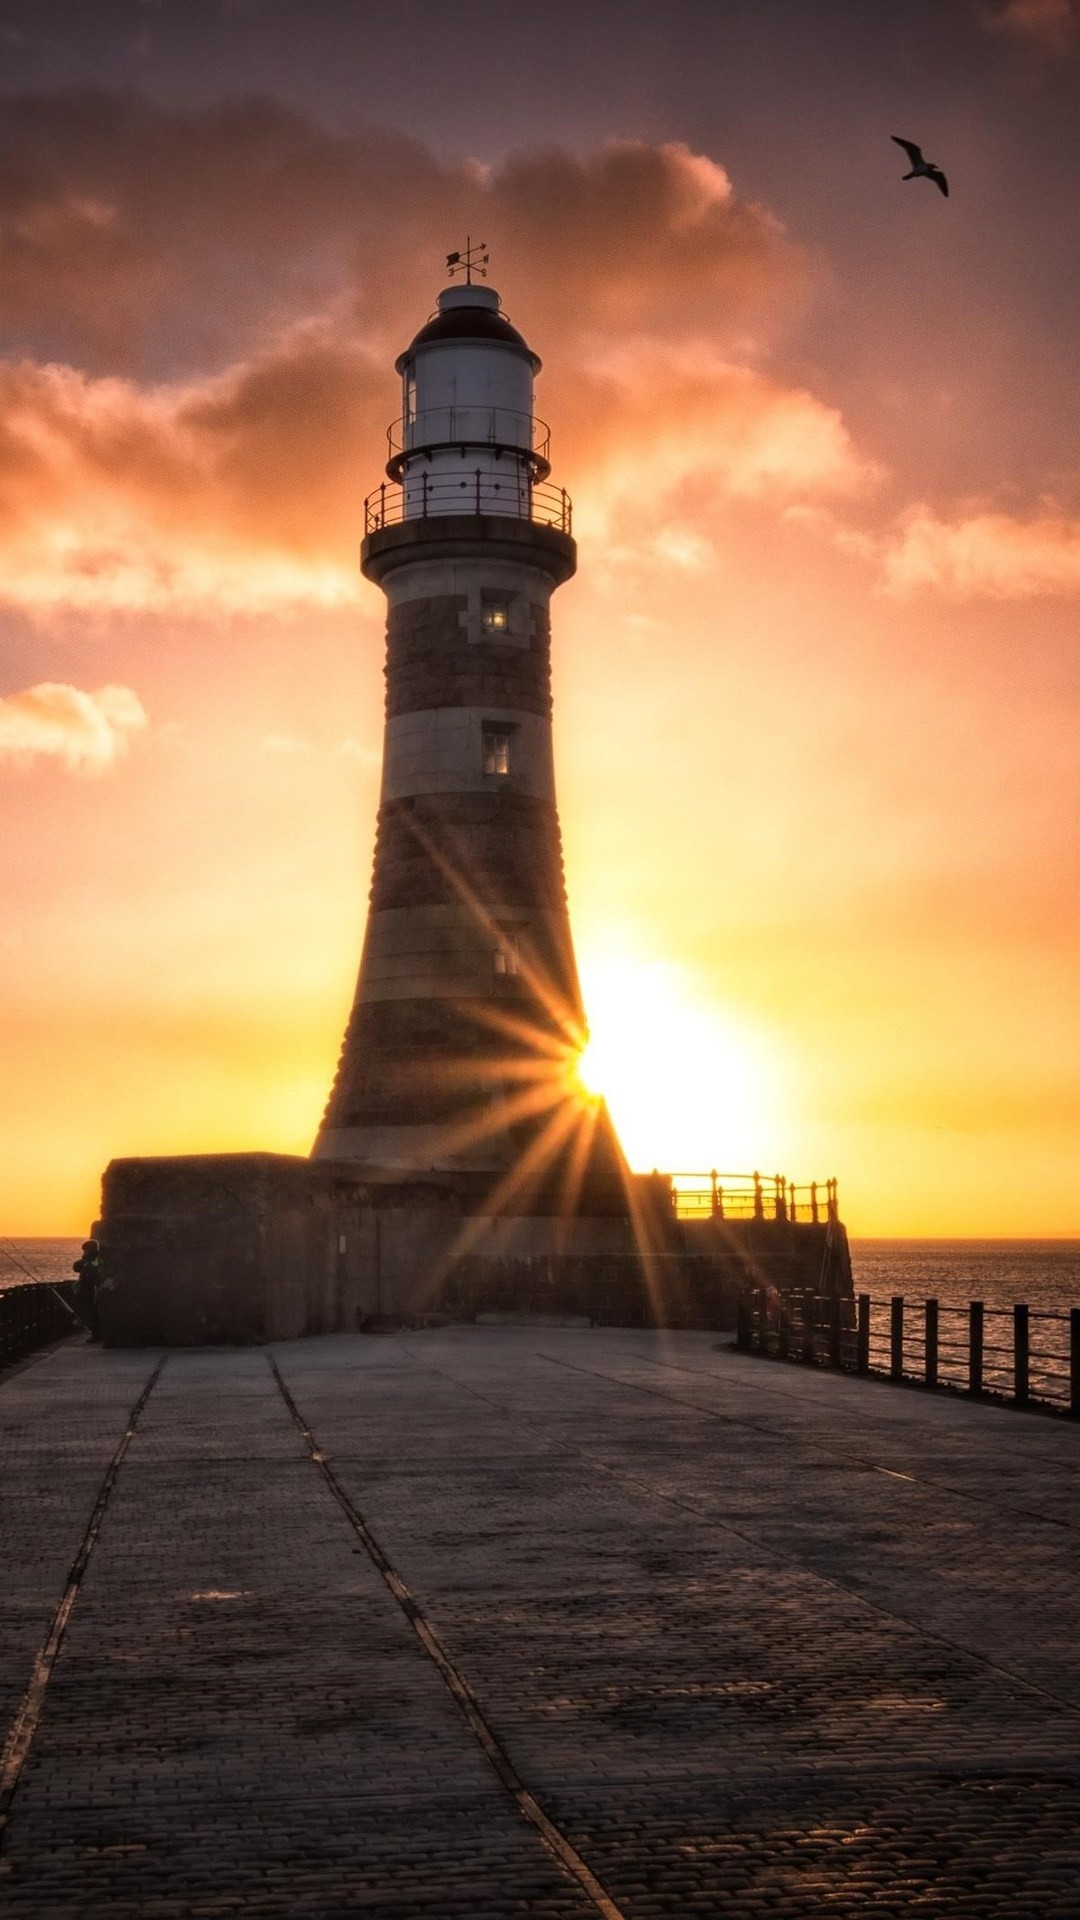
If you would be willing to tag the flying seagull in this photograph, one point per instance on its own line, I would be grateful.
(921, 169)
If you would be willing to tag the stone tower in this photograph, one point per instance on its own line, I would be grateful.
(467, 1019)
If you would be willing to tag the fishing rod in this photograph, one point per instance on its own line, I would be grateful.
(39, 1281)
(37, 1278)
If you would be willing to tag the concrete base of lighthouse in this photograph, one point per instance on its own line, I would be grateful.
(251, 1247)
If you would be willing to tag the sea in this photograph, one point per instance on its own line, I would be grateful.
(1043, 1273)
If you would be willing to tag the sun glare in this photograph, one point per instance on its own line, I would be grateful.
(687, 1088)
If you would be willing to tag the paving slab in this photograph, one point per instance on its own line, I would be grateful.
(546, 1621)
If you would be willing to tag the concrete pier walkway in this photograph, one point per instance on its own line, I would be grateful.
(531, 1622)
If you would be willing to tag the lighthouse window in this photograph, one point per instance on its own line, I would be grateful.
(506, 954)
(496, 750)
(497, 616)
(410, 397)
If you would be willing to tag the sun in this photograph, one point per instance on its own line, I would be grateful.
(688, 1088)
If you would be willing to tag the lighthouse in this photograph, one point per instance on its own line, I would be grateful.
(461, 1168)
(467, 1020)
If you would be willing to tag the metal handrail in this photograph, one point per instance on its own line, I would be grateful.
(900, 1340)
(456, 426)
(33, 1315)
(474, 492)
(740, 1196)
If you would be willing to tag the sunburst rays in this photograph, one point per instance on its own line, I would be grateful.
(524, 1101)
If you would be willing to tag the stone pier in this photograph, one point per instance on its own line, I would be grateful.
(542, 1622)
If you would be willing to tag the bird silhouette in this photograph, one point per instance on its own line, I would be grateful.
(921, 169)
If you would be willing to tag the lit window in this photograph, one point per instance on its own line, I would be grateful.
(506, 954)
(497, 617)
(496, 750)
(410, 397)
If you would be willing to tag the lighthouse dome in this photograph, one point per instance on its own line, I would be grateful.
(469, 313)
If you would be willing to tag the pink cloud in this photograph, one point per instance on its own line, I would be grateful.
(984, 553)
(234, 494)
(86, 732)
(133, 234)
(664, 434)
(1046, 24)
(240, 489)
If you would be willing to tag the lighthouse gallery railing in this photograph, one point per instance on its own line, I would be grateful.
(472, 492)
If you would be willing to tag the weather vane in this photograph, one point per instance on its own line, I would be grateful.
(469, 261)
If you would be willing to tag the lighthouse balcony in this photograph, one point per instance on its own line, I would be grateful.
(498, 430)
(480, 490)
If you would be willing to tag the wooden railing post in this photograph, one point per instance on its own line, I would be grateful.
(930, 1359)
(1021, 1354)
(862, 1335)
(1074, 1362)
(896, 1337)
(759, 1201)
(975, 1347)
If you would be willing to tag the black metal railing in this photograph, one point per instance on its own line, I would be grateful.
(477, 491)
(33, 1316)
(470, 426)
(1025, 1356)
(751, 1196)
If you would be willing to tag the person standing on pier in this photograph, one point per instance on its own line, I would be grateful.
(90, 1274)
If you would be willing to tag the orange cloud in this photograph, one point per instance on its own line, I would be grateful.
(235, 494)
(666, 432)
(86, 732)
(242, 493)
(240, 489)
(984, 553)
(1045, 24)
(128, 230)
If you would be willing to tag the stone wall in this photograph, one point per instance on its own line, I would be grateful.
(255, 1247)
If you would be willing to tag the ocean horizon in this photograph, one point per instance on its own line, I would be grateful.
(1044, 1273)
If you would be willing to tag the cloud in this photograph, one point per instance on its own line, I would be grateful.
(366, 756)
(660, 436)
(984, 553)
(234, 494)
(242, 493)
(86, 732)
(139, 238)
(237, 487)
(288, 745)
(1048, 25)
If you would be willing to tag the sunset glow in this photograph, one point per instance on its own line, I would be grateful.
(686, 1089)
(817, 686)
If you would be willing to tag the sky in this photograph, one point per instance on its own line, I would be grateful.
(817, 680)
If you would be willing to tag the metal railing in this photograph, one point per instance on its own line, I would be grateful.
(751, 1196)
(33, 1316)
(474, 492)
(469, 426)
(1027, 1357)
